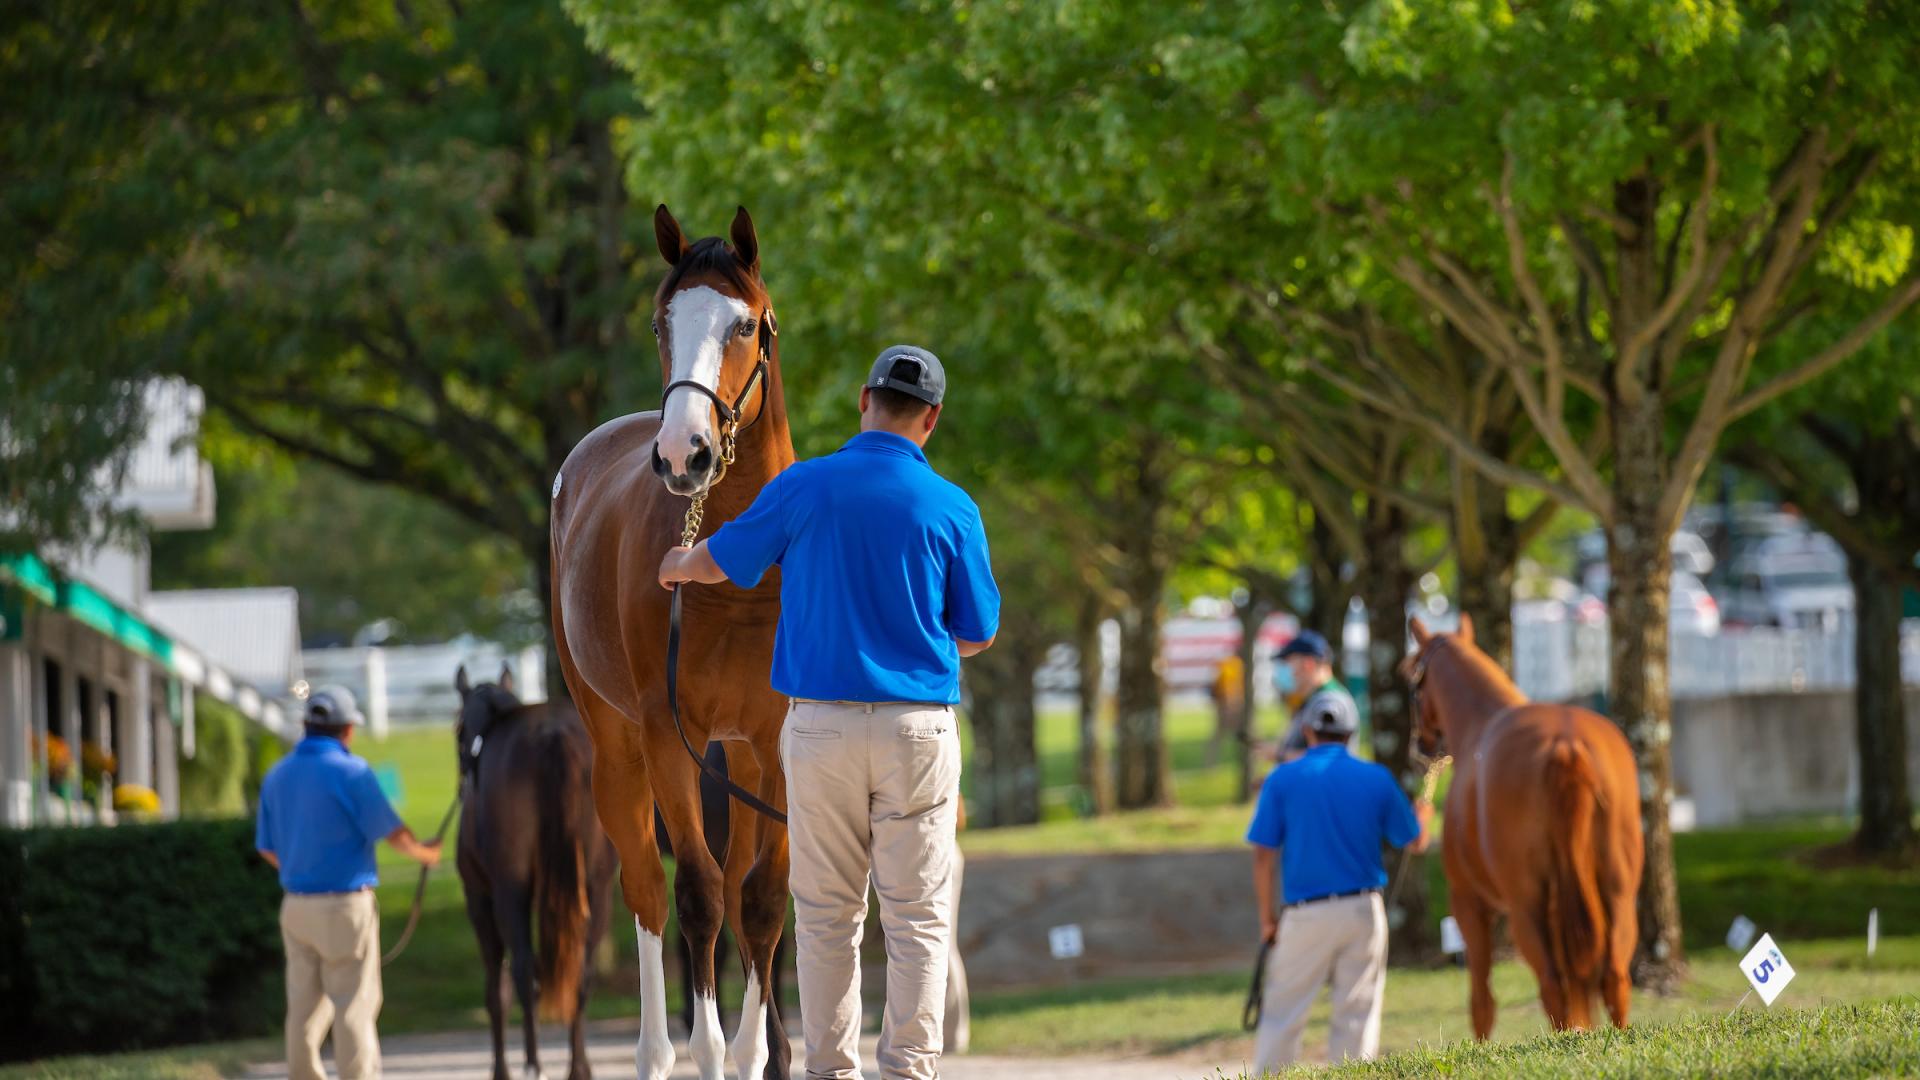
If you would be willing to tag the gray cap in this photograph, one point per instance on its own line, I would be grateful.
(333, 706)
(912, 371)
(1330, 714)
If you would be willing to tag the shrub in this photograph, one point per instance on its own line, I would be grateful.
(137, 936)
(213, 781)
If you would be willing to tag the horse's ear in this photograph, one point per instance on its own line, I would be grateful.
(1421, 635)
(1465, 633)
(506, 677)
(460, 682)
(746, 246)
(666, 233)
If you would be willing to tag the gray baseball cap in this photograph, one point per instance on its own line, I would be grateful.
(333, 706)
(1331, 714)
(912, 371)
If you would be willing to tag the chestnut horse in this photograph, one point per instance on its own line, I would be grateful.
(1542, 826)
(618, 504)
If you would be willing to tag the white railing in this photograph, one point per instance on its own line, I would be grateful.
(413, 684)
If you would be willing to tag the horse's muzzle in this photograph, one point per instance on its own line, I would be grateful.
(699, 472)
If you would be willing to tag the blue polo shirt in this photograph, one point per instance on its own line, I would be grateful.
(322, 812)
(1328, 812)
(883, 566)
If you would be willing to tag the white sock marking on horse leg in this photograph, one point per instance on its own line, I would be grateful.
(707, 1044)
(531, 1073)
(750, 1040)
(653, 1056)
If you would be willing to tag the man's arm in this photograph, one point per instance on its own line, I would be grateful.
(1423, 813)
(1265, 865)
(273, 860)
(404, 842)
(690, 564)
(973, 648)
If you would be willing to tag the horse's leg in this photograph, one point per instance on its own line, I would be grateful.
(757, 892)
(1476, 929)
(1527, 922)
(1623, 933)
(599, 905)
(513, 914)
(492, 952)
(623, 797)
(698, 890)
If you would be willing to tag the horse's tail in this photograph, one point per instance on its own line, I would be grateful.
(560, 892)
(1576, 918)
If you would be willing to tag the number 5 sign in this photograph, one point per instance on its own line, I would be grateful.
(1766, 969)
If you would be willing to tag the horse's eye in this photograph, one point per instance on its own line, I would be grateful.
(746, 328)
(656, 327)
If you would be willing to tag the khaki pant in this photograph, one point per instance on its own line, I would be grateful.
(1339, 941)
(333, 980)
(872, 790)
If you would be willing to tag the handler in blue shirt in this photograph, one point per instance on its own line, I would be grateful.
(885, 584)
(321, 813)
(1323, 818)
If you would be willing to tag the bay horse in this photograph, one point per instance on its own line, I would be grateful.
(529, 845)
(1542, 826)
(617, 508)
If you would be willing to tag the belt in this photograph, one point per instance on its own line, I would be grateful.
(870, 706)
(1332, 896)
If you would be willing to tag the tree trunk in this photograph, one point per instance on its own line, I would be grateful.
(1252, 613)
(1144, 769)
(1486, 544)
(1006, 766)
(1326, 609)
(1638, 691)
(1886, 803)
(1387, 583)
(1092, 766)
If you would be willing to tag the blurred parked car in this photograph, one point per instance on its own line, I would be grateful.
(1798, 580)
(1691, 609)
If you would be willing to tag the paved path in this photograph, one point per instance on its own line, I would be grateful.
(466, 1056)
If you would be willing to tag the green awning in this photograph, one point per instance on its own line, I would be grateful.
(85, 604)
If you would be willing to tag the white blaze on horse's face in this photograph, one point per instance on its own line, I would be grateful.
(701, 322)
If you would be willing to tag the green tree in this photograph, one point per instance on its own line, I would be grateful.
(389, 238)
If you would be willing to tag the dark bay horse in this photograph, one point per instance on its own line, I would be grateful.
(529, 846)
(1542, 826)
(618, 503)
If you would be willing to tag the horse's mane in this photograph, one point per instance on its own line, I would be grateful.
(1479, 665)
(710, 255)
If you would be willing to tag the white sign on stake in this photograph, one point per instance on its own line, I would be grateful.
(1766, 969)
(1740, 934)
(1065, 942)
(1873, 931)
(1451, 941)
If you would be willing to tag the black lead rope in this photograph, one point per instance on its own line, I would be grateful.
(673, 706)
(1250, 1012)
(420, 889)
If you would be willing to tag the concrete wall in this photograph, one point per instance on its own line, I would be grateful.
(1770, 755)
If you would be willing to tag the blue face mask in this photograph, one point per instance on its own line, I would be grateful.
(1283, 678)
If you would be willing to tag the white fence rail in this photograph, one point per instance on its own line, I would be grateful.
(413, 684)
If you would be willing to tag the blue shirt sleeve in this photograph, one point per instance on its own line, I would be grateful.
(262, 827)
(371, 811)
(746, 546)
(1269, 826)
(1397, 822)
(973, 600)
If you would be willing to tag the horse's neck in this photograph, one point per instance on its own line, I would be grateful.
(763, 452)
(1479, 692)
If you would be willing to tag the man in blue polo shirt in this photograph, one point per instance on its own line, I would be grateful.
(1323, 818)
(885, 584)
(321, 813)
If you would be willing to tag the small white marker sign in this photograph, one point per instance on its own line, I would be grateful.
(1740, 934)
(1451, 941)
(1065, 942)
(1766, 969)
(1873, 931)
